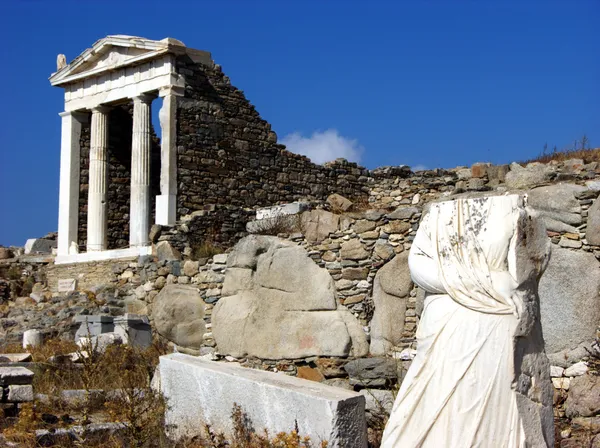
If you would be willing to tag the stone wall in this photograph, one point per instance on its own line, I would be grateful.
(228, 154)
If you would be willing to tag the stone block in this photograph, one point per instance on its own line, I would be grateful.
(339, 202)
(93, 325)
(372, 372)
(402, 213)
(15, 375)
(15, 357)
(318, 224)
(67, 284)
(203, 392)
(278, 210)
(39, 246)
(134, 330)
(20, 393)
(32, 338)
(166, 252)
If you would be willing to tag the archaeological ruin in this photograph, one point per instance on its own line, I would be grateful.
(249, 262)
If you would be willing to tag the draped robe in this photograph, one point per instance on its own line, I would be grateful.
(459, 390)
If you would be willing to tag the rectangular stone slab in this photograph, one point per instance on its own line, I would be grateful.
(203, 392)
(15, 375)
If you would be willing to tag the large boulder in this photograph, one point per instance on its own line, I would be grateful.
(592, 234)
(584, 397)
(569, 302)
(277, 303)
(178, 312)
(391, 288)
(524, 177)
(557, 205)
(39, 246)
(318, 224)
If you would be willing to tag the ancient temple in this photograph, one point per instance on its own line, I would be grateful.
(215, 154)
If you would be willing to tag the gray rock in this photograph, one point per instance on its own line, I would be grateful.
(569, 243)
(283, 307)
(584, 397)
(353, 250)
(378, 405)
(318, 224)
(383, 250)
(557, 202)
(372, 372)
(272, 401)
(533, 174)
(100, 342)
(339, 202)
(403, 213)
(166, 252)
(190, 268)
(39, 246)
(592, 234)
(570, 307)
(363, 225)
(15, 375)
(178, 312)
(558, 226)
(391, 287)
(20, 393)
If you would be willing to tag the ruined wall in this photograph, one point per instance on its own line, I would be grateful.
(227, 154)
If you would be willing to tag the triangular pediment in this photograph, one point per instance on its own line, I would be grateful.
(111, 53)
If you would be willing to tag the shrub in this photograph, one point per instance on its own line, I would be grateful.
(278, 224)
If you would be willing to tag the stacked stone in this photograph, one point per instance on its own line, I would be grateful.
(16, 383)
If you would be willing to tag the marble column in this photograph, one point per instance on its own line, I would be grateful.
(68, 198)
(166, 202)
(98, 181)
(139, 219)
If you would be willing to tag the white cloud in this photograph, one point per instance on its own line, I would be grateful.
(419, 167)
(323, 147)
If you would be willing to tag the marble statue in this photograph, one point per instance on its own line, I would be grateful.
(480, 377)
(61, 62)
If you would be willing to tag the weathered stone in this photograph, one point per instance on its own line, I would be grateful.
(569, 243)
(353, 250)
(570, 308)
(592, 234)
(584, 397)
(39, 245)
(20, 393)
(33, 338)
(532, 175)
(271, 401)
(372, 372)
(308, 373)
(282, 307)
(339, 202)
(15, 375)
(479, 169)
(556, 371)
(178, 312)
(15, 357)
(5, 253)
(355, 273)
(166, 252)
(402, 213)
(383, 250)
(331, 368)
(397, 227)
(576, 369)
(190, 268)
(391, 288)
(318, 224)
(363, 225)
(378, 405)
(557, 202)
(100, 342)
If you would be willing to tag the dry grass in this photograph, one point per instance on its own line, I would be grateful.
(279, 224)
(205, 249)
(587, 155)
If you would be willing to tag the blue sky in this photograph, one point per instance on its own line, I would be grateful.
(430, 83)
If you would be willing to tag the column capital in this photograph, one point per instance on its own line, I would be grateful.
(171, 90)
(101, 109)
(78, 115)
(143, 98)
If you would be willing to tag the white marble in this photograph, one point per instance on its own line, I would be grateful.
(84, 257)
(98, 181)
(166, 202)
(139, 216)
(470, 383)
(68, 197)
